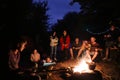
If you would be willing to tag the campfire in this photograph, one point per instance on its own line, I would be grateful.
(85, 70)
(83, 67)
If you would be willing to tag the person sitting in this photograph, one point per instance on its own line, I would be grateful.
(93, 49)
(110, 37)
(35, 58)
(14, 55)
(76, 45)
(48, 61)
(115, 51)
(83, 48)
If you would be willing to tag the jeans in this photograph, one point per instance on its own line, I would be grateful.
(53, 51)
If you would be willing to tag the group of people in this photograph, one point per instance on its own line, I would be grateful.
(72, 50)
(64, 42)
(67, 48)
(90, 48)
(75, 49)
(15, 54)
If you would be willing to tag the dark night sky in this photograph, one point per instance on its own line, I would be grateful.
(58, 8)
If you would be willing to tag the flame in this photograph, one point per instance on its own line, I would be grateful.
(83, 66)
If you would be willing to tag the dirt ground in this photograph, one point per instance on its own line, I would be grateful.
(109, 70)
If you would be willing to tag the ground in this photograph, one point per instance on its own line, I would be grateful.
(109, 70)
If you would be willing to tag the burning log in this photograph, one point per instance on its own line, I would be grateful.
(69, 74)
(84, 71)
(95, 75)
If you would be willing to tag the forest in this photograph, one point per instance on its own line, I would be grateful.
(22, 18)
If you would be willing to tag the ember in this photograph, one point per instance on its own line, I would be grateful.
(95, 75)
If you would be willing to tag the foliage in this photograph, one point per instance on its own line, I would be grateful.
(103, 11)
(23, 18)
(74, 23)
(95, 15)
